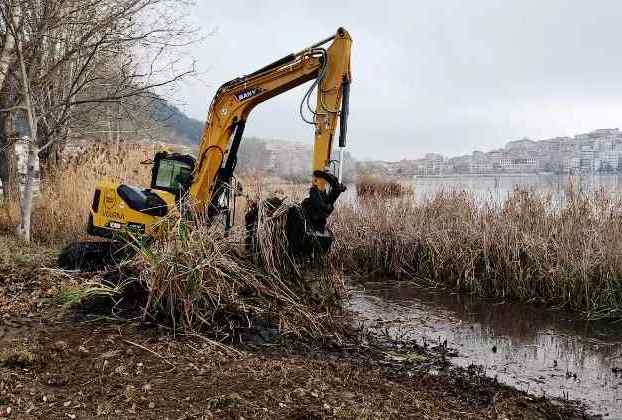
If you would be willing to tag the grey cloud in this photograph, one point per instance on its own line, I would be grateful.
(430, 76)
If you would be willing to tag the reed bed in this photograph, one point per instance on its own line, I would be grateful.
(62, 203)
(373, 187)
(531, 247)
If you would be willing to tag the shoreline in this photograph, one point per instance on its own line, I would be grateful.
(86, 365)
(516, 175)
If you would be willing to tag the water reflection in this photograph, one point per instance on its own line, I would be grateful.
(497, 187)
(537, 350)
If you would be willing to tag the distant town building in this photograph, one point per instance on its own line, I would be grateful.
(599, 151)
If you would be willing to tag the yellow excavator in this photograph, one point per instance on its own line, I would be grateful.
(206, 183)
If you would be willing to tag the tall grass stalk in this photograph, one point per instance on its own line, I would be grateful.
(199, 279)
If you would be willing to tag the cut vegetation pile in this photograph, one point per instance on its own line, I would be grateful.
(531, 247)
(196, 278)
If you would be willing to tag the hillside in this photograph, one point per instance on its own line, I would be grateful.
(186, 129)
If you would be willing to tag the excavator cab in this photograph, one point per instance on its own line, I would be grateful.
(172, 172)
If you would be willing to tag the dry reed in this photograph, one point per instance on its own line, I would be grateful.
(368, 186)
(530, 247)
(199, 279)
(65, 195)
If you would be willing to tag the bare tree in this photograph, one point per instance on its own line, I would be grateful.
(7, 52)
(8, 160)
(23, 229)
(68, 56)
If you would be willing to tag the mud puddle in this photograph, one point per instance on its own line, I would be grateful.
(543, 352)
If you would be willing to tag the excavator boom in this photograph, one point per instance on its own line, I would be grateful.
(233, 102)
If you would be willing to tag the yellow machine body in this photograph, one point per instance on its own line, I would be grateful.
(110, 213)
(207, 182)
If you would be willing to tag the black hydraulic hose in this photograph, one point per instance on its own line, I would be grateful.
(307, 96)
(322, 42)
(291, 57)
(345, 110)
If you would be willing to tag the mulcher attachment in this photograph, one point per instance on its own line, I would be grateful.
(306, 224)
(306, 229)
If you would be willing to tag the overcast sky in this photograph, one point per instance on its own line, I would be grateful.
(428, 76)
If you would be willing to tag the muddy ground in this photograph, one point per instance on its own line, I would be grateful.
(58, 363)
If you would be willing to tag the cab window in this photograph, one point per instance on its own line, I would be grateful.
(171, 174)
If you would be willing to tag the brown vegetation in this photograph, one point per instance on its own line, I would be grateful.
(531, 247)
(368, 186)
(199, 279)
(64, 198)
(193, 277)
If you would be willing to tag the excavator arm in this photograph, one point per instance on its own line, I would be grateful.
(329, 68)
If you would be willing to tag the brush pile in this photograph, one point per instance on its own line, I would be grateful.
(531, 247)
(196, 278)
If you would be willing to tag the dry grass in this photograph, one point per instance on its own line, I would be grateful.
(199, 279)
(62, 204)
(193, 277)
(528, 248)
(368, 186)
(16, 355)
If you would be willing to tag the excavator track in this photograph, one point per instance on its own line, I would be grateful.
(93, 255)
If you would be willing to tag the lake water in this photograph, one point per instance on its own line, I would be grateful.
(499, 186)
(538, 350)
